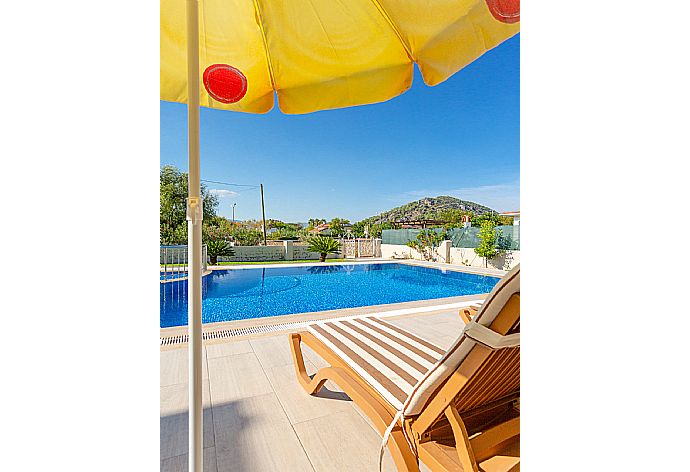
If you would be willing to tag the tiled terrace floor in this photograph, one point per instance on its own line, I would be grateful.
(258, 418)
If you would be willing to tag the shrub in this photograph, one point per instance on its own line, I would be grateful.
(246, 236)
(426, 243)
(324, 245)
(287, 233)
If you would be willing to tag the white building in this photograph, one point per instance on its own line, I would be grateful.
(515, 215)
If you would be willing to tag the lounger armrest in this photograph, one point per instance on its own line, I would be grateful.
(490, 338)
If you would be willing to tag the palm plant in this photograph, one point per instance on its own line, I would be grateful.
(218, 247)
(323, 245)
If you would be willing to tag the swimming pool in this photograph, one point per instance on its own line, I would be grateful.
(173, 275)
(239, 294)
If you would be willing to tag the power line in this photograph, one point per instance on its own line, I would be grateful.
(230, 184)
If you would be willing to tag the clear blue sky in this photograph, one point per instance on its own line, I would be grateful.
(459, 138)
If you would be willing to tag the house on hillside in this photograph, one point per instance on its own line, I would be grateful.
(321, 229)
(515, 215)
(325, 229)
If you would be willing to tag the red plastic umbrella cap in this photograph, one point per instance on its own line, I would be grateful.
(505, 11)
(225, 83)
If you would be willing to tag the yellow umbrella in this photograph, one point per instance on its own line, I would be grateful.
(323, 54)
(314, 55)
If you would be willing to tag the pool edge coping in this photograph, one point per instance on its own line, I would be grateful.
(493, 272)
(270, 324)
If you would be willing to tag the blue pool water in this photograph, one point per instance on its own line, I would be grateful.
(173, 275)
(239, 294)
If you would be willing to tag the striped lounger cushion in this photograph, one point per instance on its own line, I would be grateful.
(387, 357)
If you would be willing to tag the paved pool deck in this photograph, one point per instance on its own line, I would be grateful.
(258, 418)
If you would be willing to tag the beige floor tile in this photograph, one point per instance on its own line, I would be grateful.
(174, 419)
(313, 357)
(272, 351)
(254, 434)
(342, 442)
(174, 366)
(364, 416)
(235, 377)
(422, 466)
(449, 316)
(174, 397)
(299, 405)
(181, 463)
(228, 348)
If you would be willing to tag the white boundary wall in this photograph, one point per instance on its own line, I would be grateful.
(458, 255)
(286, 252)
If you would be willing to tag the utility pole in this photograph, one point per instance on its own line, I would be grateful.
(233, 213)
(263, 212)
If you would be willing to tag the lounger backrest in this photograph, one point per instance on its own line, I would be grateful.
(503, 370)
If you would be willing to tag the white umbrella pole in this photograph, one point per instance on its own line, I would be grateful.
(194, 221)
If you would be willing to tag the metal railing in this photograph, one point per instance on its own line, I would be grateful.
(175, 263)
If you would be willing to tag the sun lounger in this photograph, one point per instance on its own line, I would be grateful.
(469, 312)
(453, 408)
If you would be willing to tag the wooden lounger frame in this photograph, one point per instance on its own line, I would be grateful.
(467, 419)
(469, 312)
(466, 314)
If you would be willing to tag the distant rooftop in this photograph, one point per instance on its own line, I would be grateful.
(320, 228)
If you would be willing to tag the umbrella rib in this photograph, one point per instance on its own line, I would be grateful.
(260, 18)
(395, 29)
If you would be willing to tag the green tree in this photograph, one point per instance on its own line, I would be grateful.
(246, 236)
(285, 233)
(493, 218)
(488, 241)
(358, 229)
(173, 205)
(277, 224)
(375, 230)
(253, 224)
(369, 228)
(337, 226)
(453, 216)
(324, 245)
(314, 222)
(426, 243)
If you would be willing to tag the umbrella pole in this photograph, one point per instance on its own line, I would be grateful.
(194, 222)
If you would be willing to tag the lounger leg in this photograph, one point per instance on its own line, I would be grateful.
(311, 386)
(404, 458)
(462, 441)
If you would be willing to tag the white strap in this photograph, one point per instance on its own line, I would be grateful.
(388, 432)
(489, 337)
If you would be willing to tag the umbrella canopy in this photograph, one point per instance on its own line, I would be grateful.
(314, 55)
(324, 54)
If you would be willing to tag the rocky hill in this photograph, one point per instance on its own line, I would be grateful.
(428, 208)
